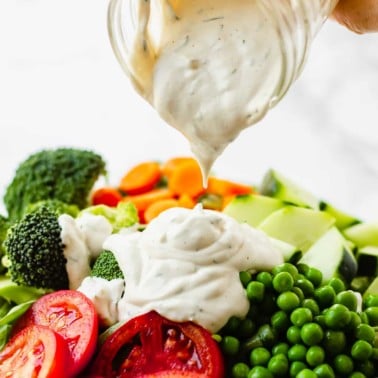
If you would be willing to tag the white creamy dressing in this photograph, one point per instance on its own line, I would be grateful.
(186, 264)
(82, 238)
(206, 68)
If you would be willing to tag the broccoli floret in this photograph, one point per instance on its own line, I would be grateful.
(4, 225)
(106, 266)
(64, 174)
(55, 205)
(35, 251)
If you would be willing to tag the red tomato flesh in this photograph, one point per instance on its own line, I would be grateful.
(150, 346)
(35, 351)
(71, 314)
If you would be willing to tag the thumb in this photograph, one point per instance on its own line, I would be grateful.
(360, 16)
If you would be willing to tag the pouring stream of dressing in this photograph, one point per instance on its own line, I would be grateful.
(211, 68)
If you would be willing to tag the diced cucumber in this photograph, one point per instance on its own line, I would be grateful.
(298, 226)
(372, 288)
(363, 234)
(343, 220)
(289, 252)
(332, 256)
(276, 185)
(252, 208)
(367, 259)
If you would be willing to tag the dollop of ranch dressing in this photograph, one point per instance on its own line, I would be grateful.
(186, 264)
(206, 67)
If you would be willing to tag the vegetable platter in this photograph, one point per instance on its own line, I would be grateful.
(313, 314)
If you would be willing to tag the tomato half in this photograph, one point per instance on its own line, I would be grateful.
(71, 314)
(152, 346)
(35, 351)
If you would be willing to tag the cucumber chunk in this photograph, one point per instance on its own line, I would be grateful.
(363, 234)
(276, 185)
(252, 208)
(367, 259)
(332, 256)
(343, 220)
(298, 226)
(289, 252)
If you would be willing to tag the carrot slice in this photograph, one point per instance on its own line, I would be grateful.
(141, 178)
(106, 196)
(186, 179)
(157, 207)
(172, 164)
(223, 187)
(144, 200)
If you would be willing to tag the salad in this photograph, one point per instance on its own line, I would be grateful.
(158, 276)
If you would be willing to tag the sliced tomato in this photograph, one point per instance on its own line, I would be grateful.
(151, 346)
(71, 314)
(35, 351)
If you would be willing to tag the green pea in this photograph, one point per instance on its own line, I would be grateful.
(325, 296)
(230, 345)
(297, 290)
(288, 301)
(355, 321)
(283, 281)
(301, 316)
(372, 313)
(334, 341)
(361, 350)
(255, 291)
(324, 371)
(280, 321)
(367, 368)
(245, 278)
(306, 373)
(297, 352)
(293, 335)
(371, 300)
(285, 267)
(337, 316)
(311, 333)
(232, 325)
(314, 275)
(305, 285)
(337, 284)
(311, 304)
(240, 370)
(296, 367)
(260, 372)
(365, 332)
(348, 299)
(259, 356)
(302, 268)
(357, 374)
(343, 364)
(315, 355)
(265, 278)
(246, 328)
(278, 365)
(280, 348)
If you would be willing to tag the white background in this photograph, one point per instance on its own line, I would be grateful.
(60, 85)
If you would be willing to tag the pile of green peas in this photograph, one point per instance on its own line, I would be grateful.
(298, 327)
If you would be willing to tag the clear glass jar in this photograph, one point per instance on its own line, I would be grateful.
(214, 67)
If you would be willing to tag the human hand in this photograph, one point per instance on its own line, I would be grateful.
(360, 16)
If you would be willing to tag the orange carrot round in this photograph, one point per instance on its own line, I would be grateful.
(141, 178)
(186, 179)
(144, 200)
(159, 206)
(169, 166)
(223, 187)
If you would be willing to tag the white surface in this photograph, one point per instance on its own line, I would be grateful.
(60, 84)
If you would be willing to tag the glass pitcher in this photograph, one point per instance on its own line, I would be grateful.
(214, 67)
